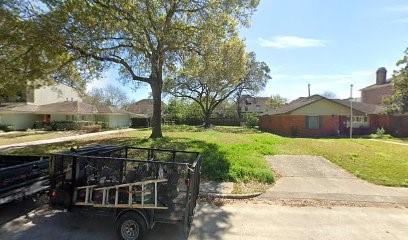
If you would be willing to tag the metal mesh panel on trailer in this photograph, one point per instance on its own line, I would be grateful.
(103, 167)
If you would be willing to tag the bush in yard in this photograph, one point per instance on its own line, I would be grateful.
(64, 125)
(380, 134)
(39, 125)
(183, 112)
(251, 120)
(92, 128)
(5, 128)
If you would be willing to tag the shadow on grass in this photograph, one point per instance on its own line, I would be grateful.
(215, 164)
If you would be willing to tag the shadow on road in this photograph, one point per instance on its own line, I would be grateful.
(26, 220)
(210, 222)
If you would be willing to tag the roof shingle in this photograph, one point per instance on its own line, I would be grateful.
(303, 101)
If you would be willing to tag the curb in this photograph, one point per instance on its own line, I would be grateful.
(230, 196)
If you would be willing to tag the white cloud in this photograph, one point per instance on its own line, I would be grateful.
(290, 42)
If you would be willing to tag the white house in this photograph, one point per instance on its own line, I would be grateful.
(59, 103)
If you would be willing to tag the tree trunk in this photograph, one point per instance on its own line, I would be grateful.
(239, 112)
(207, 119)
(156, 85)
(156, 118)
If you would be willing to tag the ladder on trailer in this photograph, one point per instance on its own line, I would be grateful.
(129, 203)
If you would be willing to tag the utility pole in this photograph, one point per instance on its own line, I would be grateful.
(351, 111)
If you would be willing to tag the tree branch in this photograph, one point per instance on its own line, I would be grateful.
(114, 59)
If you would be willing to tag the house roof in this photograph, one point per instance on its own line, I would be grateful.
(362, 107)
(143, 107)
(103, 109)
(255, 99)
(376, 86)
(145, 101)
(295, 104)
(68, 107)
(304, 101)
(18, 107)
(65, 108)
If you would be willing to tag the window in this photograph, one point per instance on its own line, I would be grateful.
(359, 122)
(313, 122)
(246, 109)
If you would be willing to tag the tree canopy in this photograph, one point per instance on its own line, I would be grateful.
(211, 75)
(26, 55)
(255, 80)
(398, 102)
(277, 101)
(145, 38)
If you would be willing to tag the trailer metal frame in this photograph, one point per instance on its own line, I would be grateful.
(158, 185)
(22, 176)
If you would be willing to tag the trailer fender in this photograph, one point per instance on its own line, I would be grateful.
(141, 213)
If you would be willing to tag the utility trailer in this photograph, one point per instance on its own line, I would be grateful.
(137, 186)
(22, 176)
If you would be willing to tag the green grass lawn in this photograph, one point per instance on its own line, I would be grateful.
(238, 154)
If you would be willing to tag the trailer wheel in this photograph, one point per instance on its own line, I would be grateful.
(130, 226)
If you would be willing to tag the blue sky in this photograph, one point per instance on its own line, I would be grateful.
(327, 43)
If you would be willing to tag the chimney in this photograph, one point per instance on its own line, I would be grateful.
(308, 88)
(381, 76)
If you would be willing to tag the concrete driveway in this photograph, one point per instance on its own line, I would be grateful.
(310, 177)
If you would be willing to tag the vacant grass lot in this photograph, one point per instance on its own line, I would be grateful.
(238, 154)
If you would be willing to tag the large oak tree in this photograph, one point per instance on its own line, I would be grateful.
(145, 38)
(218, 70)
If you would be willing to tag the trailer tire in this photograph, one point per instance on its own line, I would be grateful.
(130, 226)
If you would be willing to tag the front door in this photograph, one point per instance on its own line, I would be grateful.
(343, 129)
(47, 119)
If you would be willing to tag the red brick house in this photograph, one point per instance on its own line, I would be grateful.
(378, 92)
(144, 106)
(317, 116)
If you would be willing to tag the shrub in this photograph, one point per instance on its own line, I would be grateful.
(92, 128)
(251, 120)
(5, 128)
(380, 132)
(64, 125)
(39, 125)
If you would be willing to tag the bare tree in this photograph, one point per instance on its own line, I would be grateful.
(329, 95)
(110, 95)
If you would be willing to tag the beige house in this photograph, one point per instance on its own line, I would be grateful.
(257, 105)
(59, 103)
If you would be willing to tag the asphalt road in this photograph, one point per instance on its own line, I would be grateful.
(234, 221)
